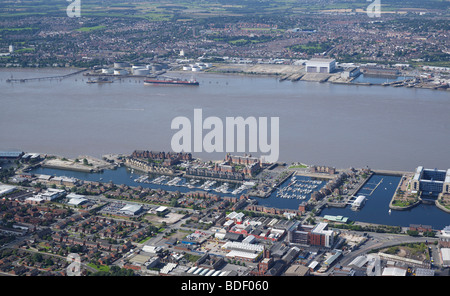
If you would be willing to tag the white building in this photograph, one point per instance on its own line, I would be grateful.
(130, 210)
(51, 194)
(320, 66)
(107, 71)
(243, 251)
(394, 271)
(76, 199)
(5, 189)
(445, 253)
(321, 229)
(120, 72)
(359, 202)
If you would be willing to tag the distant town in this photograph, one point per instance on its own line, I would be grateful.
(406, 42)
(187, 217)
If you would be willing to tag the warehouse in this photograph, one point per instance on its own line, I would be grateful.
(130, 210)
(243, 251)
(445, 253)
(11, 154)
(76, 199)
(5, 189)
(321, 66)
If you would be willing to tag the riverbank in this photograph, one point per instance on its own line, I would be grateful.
(298, 73)
(81, 164)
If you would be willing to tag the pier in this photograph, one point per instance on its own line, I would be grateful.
(391, 173)
(213, 179)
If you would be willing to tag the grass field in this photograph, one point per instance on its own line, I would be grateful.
(89, 29)
(167, 9)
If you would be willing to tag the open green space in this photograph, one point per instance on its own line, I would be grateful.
(167, 9)
(89, 29)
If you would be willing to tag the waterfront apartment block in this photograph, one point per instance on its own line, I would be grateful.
(431, 181)
(215, 174)
(148, 167)
(245, 160)
(165, 158)
(323, 169)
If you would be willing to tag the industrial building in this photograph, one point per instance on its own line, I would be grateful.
(445, 253)
(321, 66)
(51, 194)
(76, 199)
(11, 154)
(5, 189)
(130, 210)
(350, 72)
(243, 251)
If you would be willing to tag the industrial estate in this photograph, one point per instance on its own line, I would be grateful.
(181, 216)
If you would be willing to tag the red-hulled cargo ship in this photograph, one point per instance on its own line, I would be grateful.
(170, 82)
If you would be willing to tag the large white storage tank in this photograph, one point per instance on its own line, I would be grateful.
(120, 72)
(141, 71)
(107, 71)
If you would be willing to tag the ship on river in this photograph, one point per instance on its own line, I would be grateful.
(171, 82)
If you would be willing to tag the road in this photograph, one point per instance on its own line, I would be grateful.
(382, 240)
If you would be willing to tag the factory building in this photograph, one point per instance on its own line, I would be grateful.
(321, 66)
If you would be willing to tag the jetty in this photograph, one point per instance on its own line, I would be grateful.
(58, 77)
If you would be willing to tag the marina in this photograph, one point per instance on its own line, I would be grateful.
(292, 192)
(298, 188)
(378, 192)
(373, 208)
(131, 177)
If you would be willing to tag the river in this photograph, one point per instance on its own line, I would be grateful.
(320, 123)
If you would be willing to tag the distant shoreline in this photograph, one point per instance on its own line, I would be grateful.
(293, 76)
